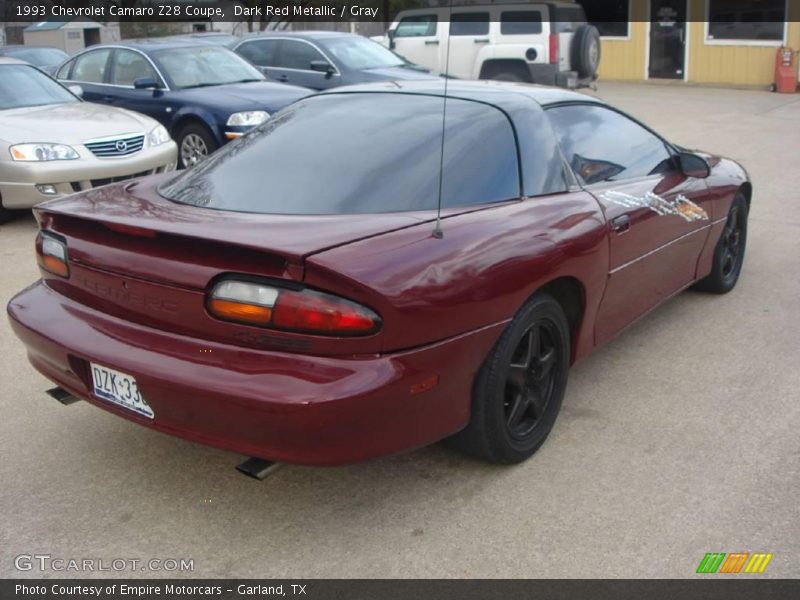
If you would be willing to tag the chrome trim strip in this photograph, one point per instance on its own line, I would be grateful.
(651, 252)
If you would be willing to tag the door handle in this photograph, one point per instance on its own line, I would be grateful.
(481, 40)
(621, 224)
(283, 78)
(431, 42)
(108, 99)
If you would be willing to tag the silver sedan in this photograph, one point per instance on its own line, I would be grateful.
(52, 143)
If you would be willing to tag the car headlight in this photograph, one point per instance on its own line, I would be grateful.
(158, 136)
(248, 118)
(39, 152)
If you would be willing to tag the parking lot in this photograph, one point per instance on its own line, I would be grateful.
(678, 438)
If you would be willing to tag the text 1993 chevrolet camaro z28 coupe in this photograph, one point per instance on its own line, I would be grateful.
(291, 298)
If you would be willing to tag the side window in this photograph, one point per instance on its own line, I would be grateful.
(63, 72)
(520, 22)
(259, 52)
(91, 67)
(476, 23)
(416, 26)
(601, 144)
(130, 66)
(298, 55)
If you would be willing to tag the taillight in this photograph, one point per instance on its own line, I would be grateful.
(553, 48)
(301, 310)
(51, 254)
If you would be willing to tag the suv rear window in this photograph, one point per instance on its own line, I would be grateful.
(359, 153)
(568, 18)
(520, 22)
(476, 23)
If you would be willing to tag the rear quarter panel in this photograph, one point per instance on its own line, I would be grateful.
(488, 263)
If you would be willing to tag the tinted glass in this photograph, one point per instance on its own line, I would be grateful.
(421, 25)
(732, 21)
(41, 57)
(130, 66)
(201, 66)
(360, 53)
(21, 85)
(520, 22)
(567, 18)
(469, 24)
(601, 144)
(91, 67)
(298, 55)
(359, 153)
(260, 52)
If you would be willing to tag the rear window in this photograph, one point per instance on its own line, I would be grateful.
(359, 153)
(520, 22)
(568, 18)
(469, 23)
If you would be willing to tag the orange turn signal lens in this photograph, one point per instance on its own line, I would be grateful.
(51, 254)
(238, 311)
(54, 265)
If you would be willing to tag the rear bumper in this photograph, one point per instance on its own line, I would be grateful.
(277, 406)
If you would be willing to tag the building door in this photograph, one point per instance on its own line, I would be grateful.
(667, 39)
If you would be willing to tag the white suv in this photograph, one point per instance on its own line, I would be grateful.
(542, 42)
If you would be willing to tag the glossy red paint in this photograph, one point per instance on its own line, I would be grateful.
(135, 302)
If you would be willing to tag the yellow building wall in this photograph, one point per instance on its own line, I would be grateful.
(625, 59)
(738, 65)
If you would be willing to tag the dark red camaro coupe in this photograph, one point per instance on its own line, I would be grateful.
(293, 298)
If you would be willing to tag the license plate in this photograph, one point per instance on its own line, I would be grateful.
(119, 388)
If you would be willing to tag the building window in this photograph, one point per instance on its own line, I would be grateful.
(611, 17)
(759, 20)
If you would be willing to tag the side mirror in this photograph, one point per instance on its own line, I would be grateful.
(693, 165)
(77, 90)
(145, 83)
(323, 66)
(390, 35)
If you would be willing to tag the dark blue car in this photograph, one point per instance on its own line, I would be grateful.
(203, 94)
(324, 59)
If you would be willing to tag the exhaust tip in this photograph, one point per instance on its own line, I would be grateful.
(62, 396)
(257, 468)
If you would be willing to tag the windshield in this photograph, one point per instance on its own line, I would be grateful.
(359, 153)
(200, 66)
(41, 57)
(360, 53)
(23, 85)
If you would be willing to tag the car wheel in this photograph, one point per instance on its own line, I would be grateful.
(729, 252)
(585, 51)
(195, 142)
(518, 391)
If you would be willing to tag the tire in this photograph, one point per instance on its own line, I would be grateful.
(508, 76)
(518, 391)
(585, 51)
(507, 71)
(729, 251)
(195, 142)
(5, 214)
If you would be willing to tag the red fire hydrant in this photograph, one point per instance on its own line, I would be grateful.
(785, 71)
